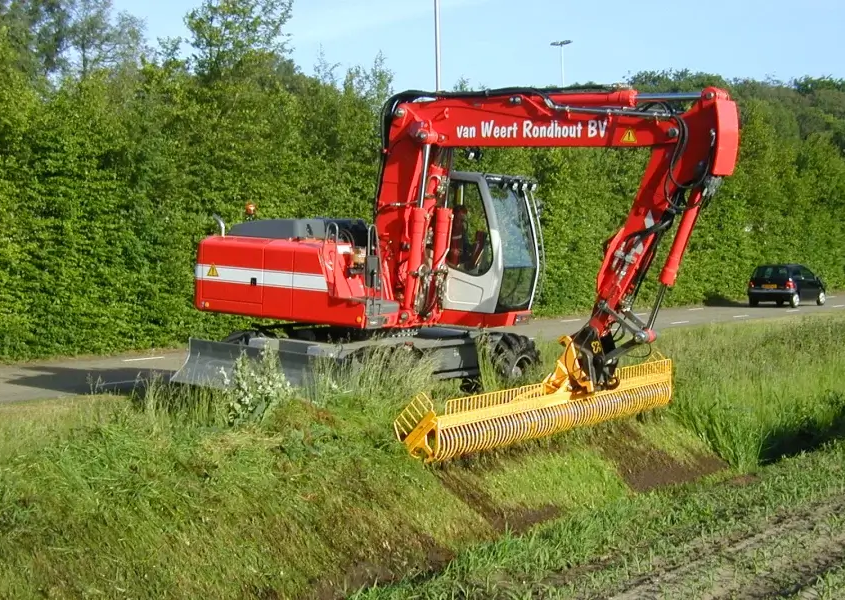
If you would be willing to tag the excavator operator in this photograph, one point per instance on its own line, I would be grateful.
(464, 254)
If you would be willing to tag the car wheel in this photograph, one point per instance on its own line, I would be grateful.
(820, 299)
(795, 300)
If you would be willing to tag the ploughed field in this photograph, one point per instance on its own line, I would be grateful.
(734, 490)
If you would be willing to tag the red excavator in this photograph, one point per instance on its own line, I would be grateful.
(450, 253)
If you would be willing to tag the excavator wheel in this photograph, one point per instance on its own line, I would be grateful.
(513, 355)
(470, 385)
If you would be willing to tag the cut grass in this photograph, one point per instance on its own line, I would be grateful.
(161, 497)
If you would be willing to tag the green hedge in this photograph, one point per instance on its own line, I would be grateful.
(108, 182)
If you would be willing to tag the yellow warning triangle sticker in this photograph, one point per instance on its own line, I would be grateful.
(212, 272)
(629, 137)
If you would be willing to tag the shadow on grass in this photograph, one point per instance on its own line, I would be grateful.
(808, 435)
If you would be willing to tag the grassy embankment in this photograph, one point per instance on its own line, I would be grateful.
(161, 497)
(777, 534)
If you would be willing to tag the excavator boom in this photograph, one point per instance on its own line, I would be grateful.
(691, 152)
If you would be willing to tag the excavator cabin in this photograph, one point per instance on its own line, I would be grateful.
(494, 257)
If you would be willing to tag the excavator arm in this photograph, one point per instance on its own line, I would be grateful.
(692, 150)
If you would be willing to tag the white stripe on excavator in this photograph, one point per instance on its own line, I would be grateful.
(266, 278)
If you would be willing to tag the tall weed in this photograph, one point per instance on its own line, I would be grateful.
(753, 390)
(259, 387)
(378, 381)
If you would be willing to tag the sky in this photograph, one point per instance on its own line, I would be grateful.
(497, 43)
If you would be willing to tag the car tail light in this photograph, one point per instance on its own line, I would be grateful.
(750, 284)
(790, 285)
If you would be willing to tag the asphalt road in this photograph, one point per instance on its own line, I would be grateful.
(68, 377)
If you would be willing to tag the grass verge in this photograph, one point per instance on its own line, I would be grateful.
(760, 391)
(274, 492)
(775, 534)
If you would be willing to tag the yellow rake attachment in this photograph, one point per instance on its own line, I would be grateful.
(502, 418)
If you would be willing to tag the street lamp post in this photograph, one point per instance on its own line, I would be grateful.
(561, 43)
(437, 45)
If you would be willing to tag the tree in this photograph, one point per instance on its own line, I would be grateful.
(98, 42)
(38, 34)
(226, 31)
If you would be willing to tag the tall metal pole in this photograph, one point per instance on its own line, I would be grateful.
(561, 43)
(562, 77)
(437, 45)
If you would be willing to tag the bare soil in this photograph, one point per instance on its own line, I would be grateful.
(644, 467)
(422, 559)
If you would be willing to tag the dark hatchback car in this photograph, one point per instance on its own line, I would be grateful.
(790, 283)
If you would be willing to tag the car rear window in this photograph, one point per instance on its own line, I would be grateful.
(771, 271)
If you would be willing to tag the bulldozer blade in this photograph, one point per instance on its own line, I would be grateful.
(503, 418)
(211, 364)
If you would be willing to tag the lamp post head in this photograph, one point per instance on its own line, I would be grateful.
(561, 43)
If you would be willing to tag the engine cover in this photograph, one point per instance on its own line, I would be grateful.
(286, 269)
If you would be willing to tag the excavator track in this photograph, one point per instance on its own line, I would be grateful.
(499, 419)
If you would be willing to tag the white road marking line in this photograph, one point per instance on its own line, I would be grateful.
(640, 314)
(699, 308)
(838, 305)
(739, 316)
(678, 322)
(793, 310)
(569, 320)
(143, 358)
